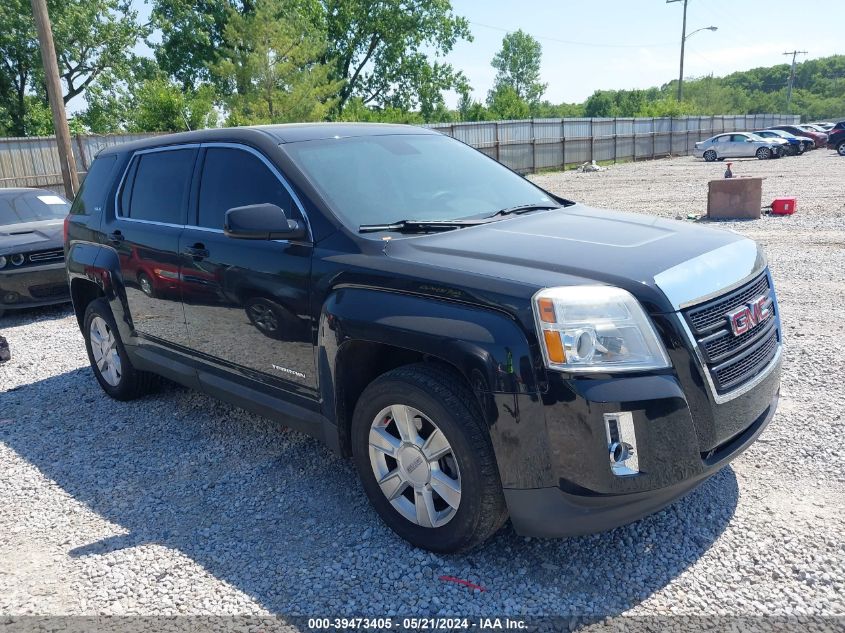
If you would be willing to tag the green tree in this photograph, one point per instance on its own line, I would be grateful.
(271, 64)
(505, 103)
(159, 105)
(599, 104)
(382, 49)
(93, 38)
(518, 66)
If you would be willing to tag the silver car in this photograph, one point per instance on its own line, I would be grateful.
(738, 145)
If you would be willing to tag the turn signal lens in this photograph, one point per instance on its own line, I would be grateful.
(554, 346)
(547, 310)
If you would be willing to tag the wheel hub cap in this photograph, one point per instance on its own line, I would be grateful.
(415, 466)
(104, 350)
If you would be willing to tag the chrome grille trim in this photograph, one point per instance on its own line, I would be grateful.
(733, 365)
(47, 256)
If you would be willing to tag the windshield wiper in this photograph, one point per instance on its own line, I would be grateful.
(419, 226)
(524, 208)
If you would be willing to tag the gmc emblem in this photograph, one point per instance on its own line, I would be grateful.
(750, 315)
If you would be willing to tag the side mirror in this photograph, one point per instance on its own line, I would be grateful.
(261, 222)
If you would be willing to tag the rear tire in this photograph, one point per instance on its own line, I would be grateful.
(710, 156)
(428, 402)
(108, 358)
(840, 149)
(764, 153)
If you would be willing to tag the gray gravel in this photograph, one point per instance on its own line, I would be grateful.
(177, 504)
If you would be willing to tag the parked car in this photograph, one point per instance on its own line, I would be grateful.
(794, 145)
(836, 140)
(824, 125)
(819, 139)
(31, 249)
(738, 145)
(480, 347)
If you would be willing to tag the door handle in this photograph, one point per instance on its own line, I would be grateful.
(197, 251)
(116, 236)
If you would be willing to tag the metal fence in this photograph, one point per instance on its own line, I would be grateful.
(525, 146)
(531, 145)
(34, 161)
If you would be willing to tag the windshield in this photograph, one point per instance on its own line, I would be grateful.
(31, 206)
(382, 179)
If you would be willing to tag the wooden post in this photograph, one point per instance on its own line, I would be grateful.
(54, 93)
(82, 156)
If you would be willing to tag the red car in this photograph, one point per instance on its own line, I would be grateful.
(818, 138)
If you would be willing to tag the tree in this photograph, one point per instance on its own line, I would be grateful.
(271, 65)
(518, 66)
(381, 48)
(92, 37)
(599, 104)
(505, 103)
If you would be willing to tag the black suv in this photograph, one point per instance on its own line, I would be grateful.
(481, 348)
(836, 138)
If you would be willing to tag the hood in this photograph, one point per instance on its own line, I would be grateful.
(31, 236)
(580, 245)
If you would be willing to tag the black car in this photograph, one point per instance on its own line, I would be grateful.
(836, 138)
(32, 269)
(481, 348)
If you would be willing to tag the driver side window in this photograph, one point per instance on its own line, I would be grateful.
(235, 178)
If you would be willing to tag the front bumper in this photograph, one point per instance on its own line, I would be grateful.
(552, 447)
(33, 286)
(554, 512)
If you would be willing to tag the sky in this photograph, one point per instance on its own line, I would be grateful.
(614, 44)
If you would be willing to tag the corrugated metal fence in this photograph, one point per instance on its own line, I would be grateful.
(34, 161)
(525, 146)
(530, 145)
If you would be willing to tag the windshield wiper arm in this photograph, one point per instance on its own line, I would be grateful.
(420, 226)
(523, 208)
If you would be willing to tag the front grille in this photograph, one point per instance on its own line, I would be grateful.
(734, 360)
(41, 257)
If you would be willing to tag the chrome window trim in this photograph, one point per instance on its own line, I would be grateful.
(742, 389)
(199, 146)
(711, 274)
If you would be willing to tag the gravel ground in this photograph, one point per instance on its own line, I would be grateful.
(177, 504)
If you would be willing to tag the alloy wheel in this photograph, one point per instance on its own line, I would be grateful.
(841, 149)
(263, 316)
(415, 466)
(146, 285)
(104, 349)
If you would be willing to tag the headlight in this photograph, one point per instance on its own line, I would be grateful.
(594, 329)
(17, 259)
(2, 261)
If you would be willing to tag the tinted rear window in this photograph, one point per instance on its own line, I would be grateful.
(31, 206)
(95, 187)
(159, 189)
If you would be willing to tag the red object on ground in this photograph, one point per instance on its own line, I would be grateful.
(465, 583)
(783, 206)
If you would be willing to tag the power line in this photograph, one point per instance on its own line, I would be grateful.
(572, 42)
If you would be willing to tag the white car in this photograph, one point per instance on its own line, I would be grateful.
(739, 145)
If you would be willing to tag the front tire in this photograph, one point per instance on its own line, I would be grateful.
(710, 156)
(764, 153)
(840, 149)
(424, 456)
(108, 358)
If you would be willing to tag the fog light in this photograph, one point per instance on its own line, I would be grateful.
(621, 443)
(10, 297)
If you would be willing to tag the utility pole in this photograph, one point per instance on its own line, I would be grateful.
(792, 77)
(54, 94)
(683, 41)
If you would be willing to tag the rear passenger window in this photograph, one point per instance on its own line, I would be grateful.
(158, 192)
(95, 187)
(235, 178)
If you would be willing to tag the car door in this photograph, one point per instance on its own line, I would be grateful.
(722, 145)
(246, 301)
(150, 212)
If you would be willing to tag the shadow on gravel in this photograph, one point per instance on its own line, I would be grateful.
(278, 517)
